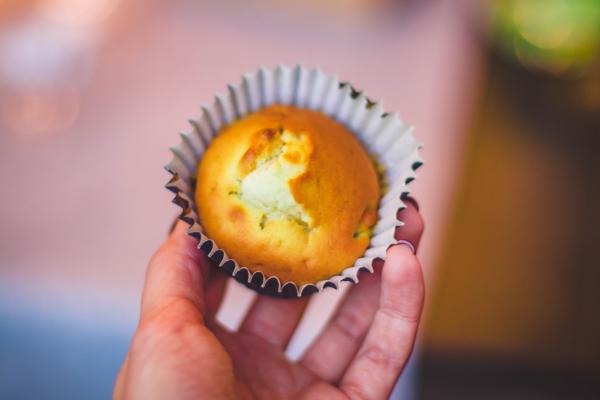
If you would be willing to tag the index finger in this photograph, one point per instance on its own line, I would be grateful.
(176, 271)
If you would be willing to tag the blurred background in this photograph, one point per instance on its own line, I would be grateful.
(504, 94)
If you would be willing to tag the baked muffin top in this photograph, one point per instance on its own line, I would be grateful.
(289, 192)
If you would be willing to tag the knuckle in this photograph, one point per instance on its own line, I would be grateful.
(172, 323)
(148, 335)
(410, 315)
(380, 358)
(354, 391)
(349, 324)
(315, 363)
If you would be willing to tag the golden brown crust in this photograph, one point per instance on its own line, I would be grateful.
(337, 189)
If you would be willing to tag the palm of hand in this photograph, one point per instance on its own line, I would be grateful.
(180, 352)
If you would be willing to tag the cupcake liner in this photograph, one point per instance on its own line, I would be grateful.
(383, 134)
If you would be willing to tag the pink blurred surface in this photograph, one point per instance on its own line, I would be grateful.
(84, 209)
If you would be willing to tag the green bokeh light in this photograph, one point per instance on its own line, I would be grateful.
(554, 35)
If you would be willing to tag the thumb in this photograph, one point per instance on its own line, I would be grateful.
(177, 271)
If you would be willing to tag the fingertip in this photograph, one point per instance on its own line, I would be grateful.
(408, 212)
(180, 238)
(413, 224)
(400, 251)
(180, 229)
(180, 249)
(401, 265)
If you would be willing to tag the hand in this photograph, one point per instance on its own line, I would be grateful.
(180, 352)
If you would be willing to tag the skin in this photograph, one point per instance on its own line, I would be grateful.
(179, 351)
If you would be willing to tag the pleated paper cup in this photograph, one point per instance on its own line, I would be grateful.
(389, 140)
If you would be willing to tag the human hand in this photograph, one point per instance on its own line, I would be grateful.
(180, 352)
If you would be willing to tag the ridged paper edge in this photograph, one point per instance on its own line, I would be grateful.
(383, 134)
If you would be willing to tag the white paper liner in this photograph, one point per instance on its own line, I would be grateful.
(384, 135)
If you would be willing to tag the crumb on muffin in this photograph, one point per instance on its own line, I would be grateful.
(273, 159)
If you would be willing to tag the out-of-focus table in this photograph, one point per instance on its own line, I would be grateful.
(82, 211)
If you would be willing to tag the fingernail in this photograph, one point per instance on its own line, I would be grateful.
(407, 244)
(411, 201)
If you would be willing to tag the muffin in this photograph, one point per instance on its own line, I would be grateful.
(289, 192)
(275, 184)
